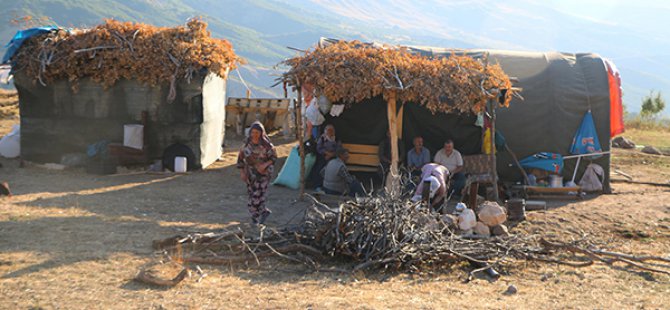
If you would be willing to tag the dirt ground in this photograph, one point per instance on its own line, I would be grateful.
(75, 241)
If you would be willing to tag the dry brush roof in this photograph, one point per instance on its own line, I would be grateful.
(350, 72)
(115, 50)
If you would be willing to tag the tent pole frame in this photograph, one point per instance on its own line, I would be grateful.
(494, 168)
(301, 147)
(392, 178)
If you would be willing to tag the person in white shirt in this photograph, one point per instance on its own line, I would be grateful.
(451, 158)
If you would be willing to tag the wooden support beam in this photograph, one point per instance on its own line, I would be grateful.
(392, 180)
(400, 120)
(494, 166)
(301, 147)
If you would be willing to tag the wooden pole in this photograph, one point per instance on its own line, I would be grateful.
(494, 168)
(392, 178)
(301, 147)
(516, 162)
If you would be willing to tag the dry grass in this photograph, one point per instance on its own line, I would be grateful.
(9, 104)
(75, 241)
(659, 137)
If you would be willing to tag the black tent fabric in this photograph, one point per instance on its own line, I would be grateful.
(366, 123)
(437, 128)
(361, 123)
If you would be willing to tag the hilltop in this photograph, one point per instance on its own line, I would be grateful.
(631, 34)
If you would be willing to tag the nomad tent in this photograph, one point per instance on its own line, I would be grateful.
(558, 89)
(378, 82)
(79, 88)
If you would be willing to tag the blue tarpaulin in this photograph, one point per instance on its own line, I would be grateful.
(586, 139)
(551, 162)
(20, 36)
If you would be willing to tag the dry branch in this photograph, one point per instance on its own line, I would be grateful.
(390, 233)
(350, 72)
(146, 276)
(122, 50)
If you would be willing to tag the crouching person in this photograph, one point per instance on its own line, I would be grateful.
(434, 180)
(336, 177)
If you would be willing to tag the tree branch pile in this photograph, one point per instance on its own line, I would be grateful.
(381, 233)
(118, 50)
(350, 72)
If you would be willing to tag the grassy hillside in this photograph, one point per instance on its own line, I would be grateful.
(240, 22)
(631, 34)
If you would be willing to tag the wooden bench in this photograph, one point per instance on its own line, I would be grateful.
(362, 157)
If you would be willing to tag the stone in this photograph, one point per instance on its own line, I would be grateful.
(651, 150)
(468, 232)
(482, 230)
(500, 230)
(450, 221)
(467, 220)
(4, 189)
(492, 214)
(511, 290)
(623, 143)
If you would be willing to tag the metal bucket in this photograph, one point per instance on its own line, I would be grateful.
(516, 209)
(555, 180)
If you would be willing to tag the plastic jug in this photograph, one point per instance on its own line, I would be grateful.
(180, 164)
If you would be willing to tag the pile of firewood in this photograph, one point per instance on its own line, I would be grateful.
(383, 233)
(122, 50)
(350, 72)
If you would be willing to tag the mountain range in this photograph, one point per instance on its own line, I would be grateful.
(635, 35)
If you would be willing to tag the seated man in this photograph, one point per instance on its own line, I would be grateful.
(336, 177)
(452, 159)
(430, 174)
(417, 157)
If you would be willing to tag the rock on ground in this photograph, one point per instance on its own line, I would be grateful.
(492, 214)
(500, 230)
(651, 150)
(622, 142)
(482, 230)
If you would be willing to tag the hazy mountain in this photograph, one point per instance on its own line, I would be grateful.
(633, 34)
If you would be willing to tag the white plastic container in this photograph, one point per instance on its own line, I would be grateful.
(180, 165)
(555, 180)
(133, 136)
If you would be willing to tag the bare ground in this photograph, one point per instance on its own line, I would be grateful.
(72, 240)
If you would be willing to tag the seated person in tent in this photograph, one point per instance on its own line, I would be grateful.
(431, 173)
(384, 153)
(417, 157)
(452, 159)
(336, 177)
(325, 151)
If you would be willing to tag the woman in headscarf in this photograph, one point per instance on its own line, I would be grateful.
(327, 144)
(325, 151)
(256, 163)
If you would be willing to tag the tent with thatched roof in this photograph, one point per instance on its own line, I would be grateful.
(355, 73)
(557, 88)
(80, 87)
